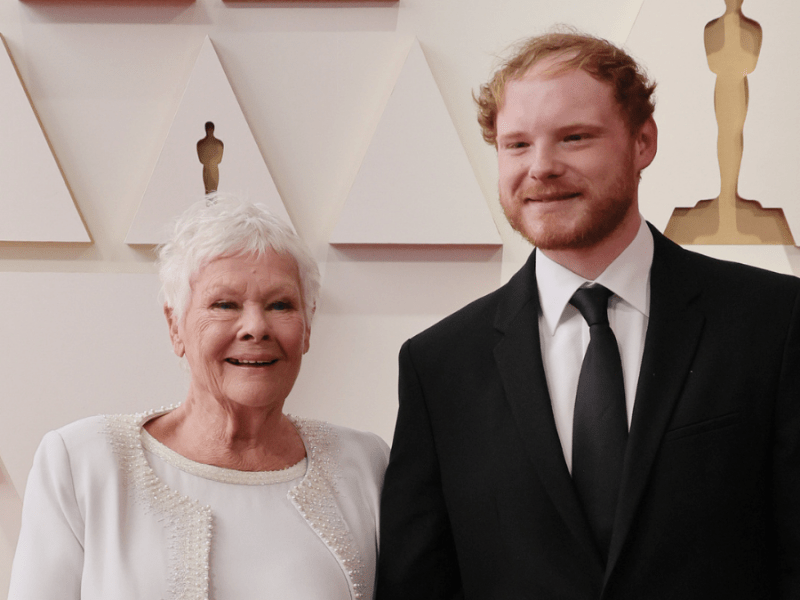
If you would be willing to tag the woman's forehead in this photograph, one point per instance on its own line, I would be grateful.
(239, 270)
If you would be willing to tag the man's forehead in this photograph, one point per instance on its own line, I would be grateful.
(552, 66)
(557, 93)
(556, 66)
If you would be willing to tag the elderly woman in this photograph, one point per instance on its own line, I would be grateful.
(224, 496)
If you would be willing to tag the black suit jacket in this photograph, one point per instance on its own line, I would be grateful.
(478, 502)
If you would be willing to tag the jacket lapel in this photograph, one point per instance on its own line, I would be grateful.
(673, 333)
(519, 361)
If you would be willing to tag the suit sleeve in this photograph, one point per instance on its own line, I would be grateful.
(417, 554)
(49, 557)
(786, 465)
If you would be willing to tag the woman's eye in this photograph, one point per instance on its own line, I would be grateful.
(224, 305)
(280, 305)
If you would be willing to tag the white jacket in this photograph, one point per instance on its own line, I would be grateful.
(111, 514)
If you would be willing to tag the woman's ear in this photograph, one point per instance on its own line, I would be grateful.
(308, 331)
(177, 345)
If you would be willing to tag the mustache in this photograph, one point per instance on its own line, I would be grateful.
(548, 192)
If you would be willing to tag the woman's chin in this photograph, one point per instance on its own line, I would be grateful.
(253, 397)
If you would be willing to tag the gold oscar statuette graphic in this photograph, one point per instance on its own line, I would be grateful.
(209, 151)
(733, 43)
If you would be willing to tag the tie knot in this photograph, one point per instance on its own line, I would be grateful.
(592, 302)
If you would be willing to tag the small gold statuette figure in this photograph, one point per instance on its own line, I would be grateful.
(209, 151)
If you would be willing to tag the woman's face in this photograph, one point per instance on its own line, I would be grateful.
(243, 331)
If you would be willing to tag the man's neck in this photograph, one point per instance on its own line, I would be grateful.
(590, 262)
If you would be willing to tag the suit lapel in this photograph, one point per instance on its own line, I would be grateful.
(673, 333)
(519, 361)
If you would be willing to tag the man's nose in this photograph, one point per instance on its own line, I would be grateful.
(544, 163)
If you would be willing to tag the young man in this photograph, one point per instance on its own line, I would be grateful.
(540, 453)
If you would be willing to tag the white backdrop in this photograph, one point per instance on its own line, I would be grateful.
(80, 324)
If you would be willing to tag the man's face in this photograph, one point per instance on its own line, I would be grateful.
(567, 161)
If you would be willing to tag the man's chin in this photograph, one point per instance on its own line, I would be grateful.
(571, 231)
(556, 238)
(549, 236)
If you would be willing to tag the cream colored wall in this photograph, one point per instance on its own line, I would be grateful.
(80, 325)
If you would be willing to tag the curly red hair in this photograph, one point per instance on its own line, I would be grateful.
(633, 90)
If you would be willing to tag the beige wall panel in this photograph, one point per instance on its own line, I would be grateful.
(400, 195)
(35, 202)
(667, 38)
(770, 172)
(178, 177)
(83, 344)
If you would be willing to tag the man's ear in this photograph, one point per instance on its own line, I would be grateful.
(646, 144)
(177, 345)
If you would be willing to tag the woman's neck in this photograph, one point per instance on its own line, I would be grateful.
(232, 437)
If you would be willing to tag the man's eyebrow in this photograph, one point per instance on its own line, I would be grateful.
(510, 133)
(592, 127)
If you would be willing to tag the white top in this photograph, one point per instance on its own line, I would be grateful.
(110, 513)
(564, 334)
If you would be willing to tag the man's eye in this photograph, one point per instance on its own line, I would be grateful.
(281, 305)
(515, 145)
(575, 137)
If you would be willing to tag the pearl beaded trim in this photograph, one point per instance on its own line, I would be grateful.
(189, 524)
(314, 497)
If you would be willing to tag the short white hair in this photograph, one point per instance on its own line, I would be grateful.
(226, 225)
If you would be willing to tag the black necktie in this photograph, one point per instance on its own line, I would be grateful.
(600, 425)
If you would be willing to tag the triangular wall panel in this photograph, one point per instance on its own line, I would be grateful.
(415, 185)
(177, 179)
(35, 204)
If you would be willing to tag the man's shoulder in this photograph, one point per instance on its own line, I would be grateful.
(472, 323)
(478, 312)
(714, 273)
(678, 262)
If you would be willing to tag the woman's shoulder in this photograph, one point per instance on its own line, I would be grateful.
(97, 428)
(350, 447)
(83, 432)
(360, 439)
(76, 452)
(96, 438)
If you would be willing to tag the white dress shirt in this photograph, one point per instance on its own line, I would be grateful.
(564, 334)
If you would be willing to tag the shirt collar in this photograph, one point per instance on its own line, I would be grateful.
(628, 277)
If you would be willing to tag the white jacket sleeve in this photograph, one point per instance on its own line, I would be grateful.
(49, 557)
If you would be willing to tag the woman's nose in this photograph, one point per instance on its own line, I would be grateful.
(254, 323)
